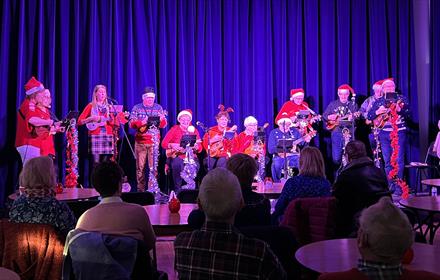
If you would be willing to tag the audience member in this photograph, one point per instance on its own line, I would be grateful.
(256, 210)
(218, 250)
(310, 182)
(37, 204)
(384, 236)
(112, 215)
(360, 184)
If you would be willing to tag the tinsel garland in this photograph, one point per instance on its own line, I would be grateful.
(394, 136)
(71, 180)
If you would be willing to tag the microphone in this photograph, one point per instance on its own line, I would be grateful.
(199, 123)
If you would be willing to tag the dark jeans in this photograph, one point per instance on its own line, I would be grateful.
(385, 142)
(278, 165)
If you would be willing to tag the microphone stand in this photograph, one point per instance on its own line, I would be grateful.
(284, 151)
(124, 133)
(206, 131)
(353, 102)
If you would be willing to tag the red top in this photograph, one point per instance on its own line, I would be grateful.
(175, 134)
(87, 112)
(224, 151)
(145, 138)
(243, 142)
(46, 140)
(291, 108)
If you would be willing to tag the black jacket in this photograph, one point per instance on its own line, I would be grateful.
(360, 185)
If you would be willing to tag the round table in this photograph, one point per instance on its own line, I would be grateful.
(431, 183)
(271, 190)
(166, 223)
(338, 255)
(429, 204)
(70, 194)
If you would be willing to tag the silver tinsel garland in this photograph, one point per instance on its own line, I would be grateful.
(153, 186)
(189, 171)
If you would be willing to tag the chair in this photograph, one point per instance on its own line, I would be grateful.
(33, 251)
(281, 242)
(431, 163)
(188, 196)
(141, 198)
(78, 207)
(311, 219)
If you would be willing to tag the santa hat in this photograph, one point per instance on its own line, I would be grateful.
(296, 92)
(250, 120)
(33, 86)
(284, 118)
(345, 87)
(148, 92)
(377, 85)
(185, 112)
(388, 81)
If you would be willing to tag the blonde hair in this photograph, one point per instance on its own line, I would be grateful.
(95, 90)
(311, 162)
(220, 195)
(38, 177)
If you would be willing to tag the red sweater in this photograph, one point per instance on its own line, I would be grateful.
(291, 108)
(242, 142)
(175, 134)
(227, 144)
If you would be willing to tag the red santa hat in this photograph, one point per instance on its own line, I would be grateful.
(284, 118)
(33, 86)
(296, 92)
(377, 85)
(388, 81)
(185, 112)
(345, 87)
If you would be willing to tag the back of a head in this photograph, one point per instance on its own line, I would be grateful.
(220, 195)
(107, 178)
(38, 176)
(311, 162)
(244, 167)
(389, 233)
(355, 149)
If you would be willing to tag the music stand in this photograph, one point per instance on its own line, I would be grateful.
(188, 140)
(259, 136)
(284, 145)
(72, 115)
(228, 135)
(391, 96)
(303, 115)
(153, 121)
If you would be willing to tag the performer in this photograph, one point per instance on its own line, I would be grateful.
(380, 115)
(144, 144)
(220, 144)
(284, 131)
(35, 126)
(339, 110)
(176, 153)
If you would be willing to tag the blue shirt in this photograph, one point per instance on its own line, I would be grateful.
(276, 134)
(298, 187)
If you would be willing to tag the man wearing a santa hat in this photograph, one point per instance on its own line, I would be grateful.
(176, 153)
(285, 130)
(144, 138)
(341, 109)
(380, 107)
(295, 104)
(34, 123)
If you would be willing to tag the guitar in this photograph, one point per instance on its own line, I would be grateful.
(381, 120)
(256, 148)
(94, 125)
(311, 134)
(120, 118)
(172, 153)
(144, 128)
(217, 146)
(332, 124)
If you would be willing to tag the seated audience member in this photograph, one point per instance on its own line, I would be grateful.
(112, 215)
(218, 250)
(37, 204)
(359, 185)
(384, 236)
(310, 182)
(256, 210)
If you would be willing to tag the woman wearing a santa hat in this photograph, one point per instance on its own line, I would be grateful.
(176, 153)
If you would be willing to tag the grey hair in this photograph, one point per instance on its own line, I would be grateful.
(38, 174)
(389, 232)
(220, 194)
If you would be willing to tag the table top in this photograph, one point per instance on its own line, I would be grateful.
(426, 203)
(273, 189)
(431, 182)
(160, 215)
(70, 194)
(7, 274)
(342, 254)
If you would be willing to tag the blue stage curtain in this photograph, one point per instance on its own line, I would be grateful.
(246, 54)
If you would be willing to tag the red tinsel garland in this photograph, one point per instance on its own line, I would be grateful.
(71, 180)
(394, 136)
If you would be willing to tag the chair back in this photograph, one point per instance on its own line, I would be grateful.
(141, 198)
(283, 244)
(33, 251)
(78, 207)
(311, 219)
(188, 196)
